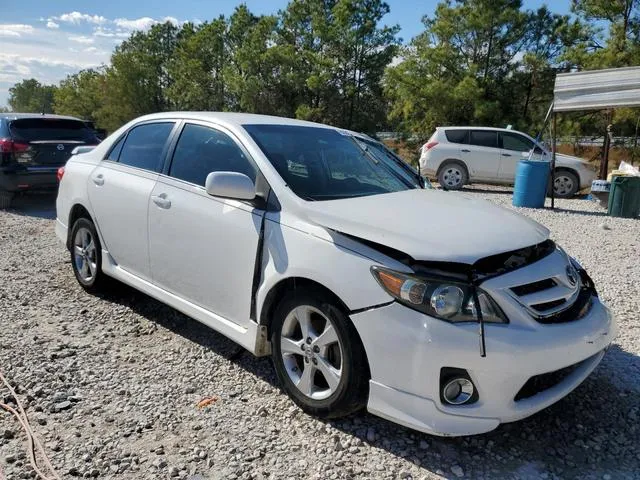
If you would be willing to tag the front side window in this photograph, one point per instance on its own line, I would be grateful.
(202, 150)
(144, 145)
(515, 142)
(484, 138)
(324, 164)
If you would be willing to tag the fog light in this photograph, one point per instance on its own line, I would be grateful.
(458, 391)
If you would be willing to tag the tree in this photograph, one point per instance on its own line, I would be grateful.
(30, 96)
(82, 94)
(197, 67)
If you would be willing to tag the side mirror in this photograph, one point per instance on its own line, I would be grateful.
(526, 154)
(230, 185)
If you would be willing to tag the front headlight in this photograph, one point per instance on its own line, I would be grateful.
(451, 301)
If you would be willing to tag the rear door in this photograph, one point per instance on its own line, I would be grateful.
(119, 190)
(483, 155)
(513, 147)
(49, 140)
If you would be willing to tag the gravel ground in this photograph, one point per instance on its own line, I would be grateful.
(112, 383)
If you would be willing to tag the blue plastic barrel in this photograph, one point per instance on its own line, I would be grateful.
(532, 179)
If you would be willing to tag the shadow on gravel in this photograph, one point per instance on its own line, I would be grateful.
(39, 205)
(592, 432)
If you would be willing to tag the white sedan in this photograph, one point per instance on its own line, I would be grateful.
(434, 310)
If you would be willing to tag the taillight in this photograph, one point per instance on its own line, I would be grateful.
(60, 174)
(429, 145)
(9, 146)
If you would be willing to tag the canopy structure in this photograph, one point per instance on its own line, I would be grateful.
(597, 89)
(593, 90)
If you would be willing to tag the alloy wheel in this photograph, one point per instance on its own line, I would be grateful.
(311, 352)
(85, 254)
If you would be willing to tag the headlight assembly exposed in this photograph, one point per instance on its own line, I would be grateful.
(451, 301)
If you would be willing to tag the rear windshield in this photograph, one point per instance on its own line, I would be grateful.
(43, 129)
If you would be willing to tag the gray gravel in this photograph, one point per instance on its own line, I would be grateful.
(112, 383)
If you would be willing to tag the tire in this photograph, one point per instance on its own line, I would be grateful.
(5, 199)
(338, 379)
(453, 176)
(566, 184)
(86, 257)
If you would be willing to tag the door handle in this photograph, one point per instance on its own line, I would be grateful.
(161, 200)
(98, 179)
(464, 150)
(506, 154)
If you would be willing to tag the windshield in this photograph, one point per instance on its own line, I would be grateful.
(323, 164)
(384, 154)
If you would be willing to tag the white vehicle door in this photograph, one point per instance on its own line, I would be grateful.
(203, 248)
(119, 189)
(482, 156)
(515, 147)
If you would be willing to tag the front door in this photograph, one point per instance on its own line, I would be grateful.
(515, 147)
(203, 248)
(119, 190)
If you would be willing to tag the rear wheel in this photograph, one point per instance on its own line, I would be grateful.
(565, 184)
(5, 199)
(318, 356)
(86, 258)
(452, 176)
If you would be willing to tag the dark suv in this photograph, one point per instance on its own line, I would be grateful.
(33, 147)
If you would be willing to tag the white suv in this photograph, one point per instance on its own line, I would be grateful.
(457, 156)
(294, 240)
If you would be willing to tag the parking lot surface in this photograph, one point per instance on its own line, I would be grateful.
(113, 383)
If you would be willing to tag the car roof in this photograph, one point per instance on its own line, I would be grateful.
(493, 129)
(232, 118)
(16, 116)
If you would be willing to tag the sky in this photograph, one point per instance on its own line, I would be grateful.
(49, 40)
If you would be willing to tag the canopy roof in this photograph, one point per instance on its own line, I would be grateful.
(597, 89)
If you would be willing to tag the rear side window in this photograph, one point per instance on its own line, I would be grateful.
(144, 145)
(202, 150)
(484, 138)
(51, 129)
(457, 136)
(114, 154)
(518, 143)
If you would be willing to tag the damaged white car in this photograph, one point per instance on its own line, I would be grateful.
(434, 310)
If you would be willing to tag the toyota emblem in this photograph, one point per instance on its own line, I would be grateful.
(60, 147)
(572, 276)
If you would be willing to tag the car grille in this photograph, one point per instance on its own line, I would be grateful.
(555, 299)
(539, 383)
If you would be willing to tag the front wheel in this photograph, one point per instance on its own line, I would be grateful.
(86, 255)
(565, 184)
(318, 356)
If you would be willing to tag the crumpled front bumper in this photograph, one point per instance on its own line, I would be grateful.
(406, 351)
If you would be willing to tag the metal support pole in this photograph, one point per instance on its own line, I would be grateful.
(604, 166)
(553, 161)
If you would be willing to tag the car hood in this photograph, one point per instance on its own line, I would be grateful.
(570, 160)
(430, 225)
